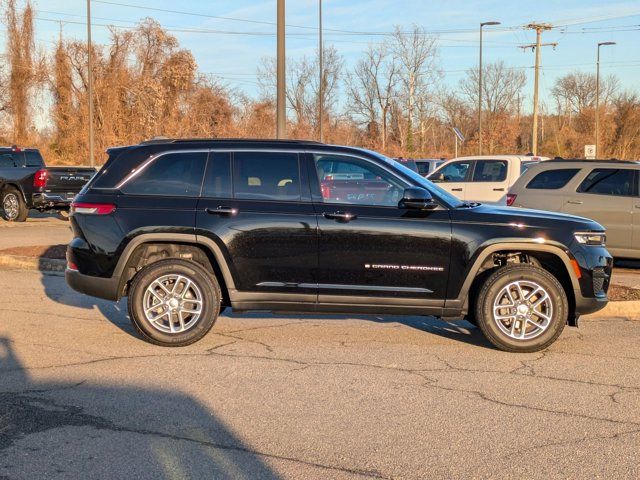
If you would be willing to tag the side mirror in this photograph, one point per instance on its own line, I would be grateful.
(416, 198)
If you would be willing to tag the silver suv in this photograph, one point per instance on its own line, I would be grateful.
(604, 190)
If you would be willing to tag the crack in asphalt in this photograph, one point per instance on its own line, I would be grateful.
(27, 414)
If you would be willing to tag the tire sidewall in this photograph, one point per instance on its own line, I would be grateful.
(496, 282)
(210, 306)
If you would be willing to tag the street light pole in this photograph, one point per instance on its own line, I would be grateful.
(90, 85)
(483, 24)
(320, 63)
(280, 74)
(598, 95)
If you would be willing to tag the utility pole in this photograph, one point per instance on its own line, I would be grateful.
(281, 119)
(539, 28)
(598, 96)
(90, 84)
(483, 24)
(320, 63)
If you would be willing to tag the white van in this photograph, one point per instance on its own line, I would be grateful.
(484, 178)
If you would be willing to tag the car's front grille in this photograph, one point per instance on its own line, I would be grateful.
(600, 281)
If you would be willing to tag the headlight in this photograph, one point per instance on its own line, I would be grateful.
(591, 238)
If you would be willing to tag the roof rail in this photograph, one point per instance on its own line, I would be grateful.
(594, 160)
(237, 140)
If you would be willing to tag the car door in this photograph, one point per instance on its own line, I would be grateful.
(489, 182)
(368, 246)
(454, 177)
(606, 196)
(256, 208)
(635, 242)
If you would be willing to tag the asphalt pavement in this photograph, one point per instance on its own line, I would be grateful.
(314, 397)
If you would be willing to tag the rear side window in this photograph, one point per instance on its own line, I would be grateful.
(33, 159)
(266, 176)
(490, 171)
(552, 179)
(7, 160)
(608, 181)
(176, 174)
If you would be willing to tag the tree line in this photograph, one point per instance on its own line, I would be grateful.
(392, 99)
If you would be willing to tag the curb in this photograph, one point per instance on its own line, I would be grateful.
(629, 309)
(33, 263)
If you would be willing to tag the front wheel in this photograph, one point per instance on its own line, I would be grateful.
(174, 302)
(521, 308)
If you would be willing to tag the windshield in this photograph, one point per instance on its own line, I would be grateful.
(435, 190)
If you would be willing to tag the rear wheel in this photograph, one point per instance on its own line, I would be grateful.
(521, 308)
(174, 302)
(14, 208)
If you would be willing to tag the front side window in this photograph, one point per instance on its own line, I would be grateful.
(351, 180)
(176, 174)
(608, 181)
(552, 179)
(266, 176)
(490, 171)
(453, 172)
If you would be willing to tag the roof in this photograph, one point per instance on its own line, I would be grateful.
(162, 140)
(584, 160)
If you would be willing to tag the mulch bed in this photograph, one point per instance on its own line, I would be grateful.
(56, 252)
(621, 293)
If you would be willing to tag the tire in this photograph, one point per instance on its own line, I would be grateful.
(528, 318)
(14, 209)
(63, 215)
(168, 278)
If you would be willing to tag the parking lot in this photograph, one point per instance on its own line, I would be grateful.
(288, 397)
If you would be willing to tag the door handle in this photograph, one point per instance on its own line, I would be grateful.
(456, 189)
(341, 216)
(575, 202)
(498, 189)
(222, 211)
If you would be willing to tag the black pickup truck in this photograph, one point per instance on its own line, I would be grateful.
(26, 183)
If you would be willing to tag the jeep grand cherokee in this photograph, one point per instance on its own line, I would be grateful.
(184, 228)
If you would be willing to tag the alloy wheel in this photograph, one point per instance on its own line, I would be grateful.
(523, 310)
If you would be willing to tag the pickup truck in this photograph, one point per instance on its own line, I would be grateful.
(26, 183)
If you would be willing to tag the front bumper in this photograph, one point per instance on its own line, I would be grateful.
(596, 265)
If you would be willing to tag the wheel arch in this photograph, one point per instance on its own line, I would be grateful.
(8, 185)
(552, 257)
(149, 248)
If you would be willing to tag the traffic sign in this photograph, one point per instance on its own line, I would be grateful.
(590, 152)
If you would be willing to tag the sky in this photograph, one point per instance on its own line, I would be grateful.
(232, 47)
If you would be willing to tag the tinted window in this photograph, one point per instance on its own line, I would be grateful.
(355, 181)
(424, 167)
(608, 181)
(33, 159)
(266, 176)
(552, 179)
(174, 175)
(490, 171)
(7, 160)
(218, 180)
(453, 172)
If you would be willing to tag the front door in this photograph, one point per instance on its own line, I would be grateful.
(454, 177)
(257, 209)
(368, 247)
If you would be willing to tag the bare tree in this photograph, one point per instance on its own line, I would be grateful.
(576, 92)
(371, 87)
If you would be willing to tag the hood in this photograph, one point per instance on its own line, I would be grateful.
(529, 218)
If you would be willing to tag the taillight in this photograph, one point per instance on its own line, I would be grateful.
(511, 197)
(40, 179)
(92, 208)
(72, 266)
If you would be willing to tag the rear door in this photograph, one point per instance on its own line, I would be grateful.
(635, 242)
(489, 181)
(606, 195)
(256, 207)
(453, 177)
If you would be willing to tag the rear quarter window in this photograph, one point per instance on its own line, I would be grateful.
(176, 174)
(617, 182)
(552, 179)
(33, 159)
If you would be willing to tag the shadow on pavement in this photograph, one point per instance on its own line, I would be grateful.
(81, 430)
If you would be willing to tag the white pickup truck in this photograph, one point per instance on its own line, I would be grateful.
(485, 178)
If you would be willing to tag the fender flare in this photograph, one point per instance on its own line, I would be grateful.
(489, 248)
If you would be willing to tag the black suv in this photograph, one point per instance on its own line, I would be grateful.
(185, 228)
